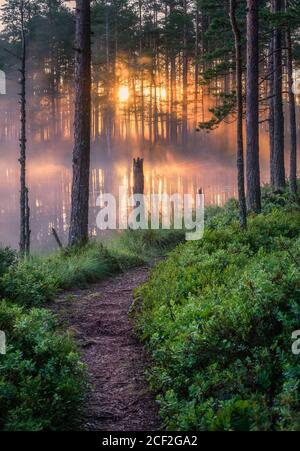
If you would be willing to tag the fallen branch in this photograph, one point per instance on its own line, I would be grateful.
(56, 237)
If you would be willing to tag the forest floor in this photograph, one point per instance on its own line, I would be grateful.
(119, 398)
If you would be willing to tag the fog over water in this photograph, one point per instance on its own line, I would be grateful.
(177, 158)
(206, 160)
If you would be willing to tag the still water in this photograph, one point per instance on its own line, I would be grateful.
(180, 164)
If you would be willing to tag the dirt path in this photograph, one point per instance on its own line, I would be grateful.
(119, 399)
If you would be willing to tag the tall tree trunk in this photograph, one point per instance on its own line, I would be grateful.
(239, 91)
(196, 88)
(78, 234)
(173, 86)
(278, 154)
(138, 176)
(142, 70)
(173, 128)
(292, 110)
(141, 26)
(52, 81)
(24, 201)
(108, 110)
(185, 78)
(168, 89)
(253, 166)
(271, 107)
(27, 223)
(154, 75)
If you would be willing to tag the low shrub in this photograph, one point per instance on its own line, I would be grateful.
(279, 199)
(28, 283)
(41, 378)
(7, 258)
(36, 280)
(42, 382)
(142, 246)
(78, 267)
(217, 317)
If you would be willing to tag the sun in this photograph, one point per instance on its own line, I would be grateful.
(123, 93)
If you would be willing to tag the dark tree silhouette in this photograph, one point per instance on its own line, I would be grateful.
(277, 162)
(239, 100)
(82, 126)
(292, 111)
(253, 167)
(24, 193)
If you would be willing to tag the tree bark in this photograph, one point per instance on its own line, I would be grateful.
(173, 128)
(278, 166)
(185, 78)
(138, 176)
(173, 86)
(292, 113)
(78, 234)
(196, 88)
(271, 108)
(24, 197)
(253, 166)
(239, 99)
(27, 223)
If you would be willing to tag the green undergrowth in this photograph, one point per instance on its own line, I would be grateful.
(217, 318)
(35, 280)
(42, 380)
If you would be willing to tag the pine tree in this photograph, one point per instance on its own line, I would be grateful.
(240, 113)
(78, 234)
(277, 162)
(292, 102)
(253, 165)
(16, 19)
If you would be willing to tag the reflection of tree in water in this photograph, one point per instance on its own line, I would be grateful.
(2, 83)
(147, 99)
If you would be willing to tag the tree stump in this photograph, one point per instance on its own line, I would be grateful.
(138, 176)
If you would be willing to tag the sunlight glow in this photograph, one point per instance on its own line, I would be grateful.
(163, 93)
(123, 93)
